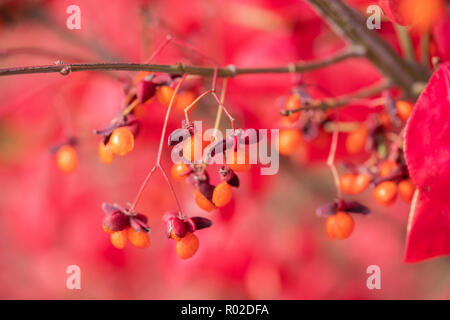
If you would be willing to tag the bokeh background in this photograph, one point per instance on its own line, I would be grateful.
(267, 244)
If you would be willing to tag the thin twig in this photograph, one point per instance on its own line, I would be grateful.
(179, 68)
(341, 101)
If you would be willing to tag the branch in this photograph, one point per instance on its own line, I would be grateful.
(337, 102)
(230, 71)
(351, 25)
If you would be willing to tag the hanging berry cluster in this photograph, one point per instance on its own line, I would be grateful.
(381, 136)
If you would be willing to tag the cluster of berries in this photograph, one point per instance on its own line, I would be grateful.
(192, 170)
(125, 225)
(182, 229)
(300, 127)
(118, 139)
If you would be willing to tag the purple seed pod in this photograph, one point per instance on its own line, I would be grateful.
(248, 136)
(190, 225)
(206, 189)
(178, 136)
(141, 217)
(220, 146)
(109, 208)
(310, 130)
(177, 226)
(139, 222)
(356, 207)
(201, 223)
(169, 215)
(134, 126)
(229, 176)
(163, 79)
(116, 221)
(145, 89)
(327, 209)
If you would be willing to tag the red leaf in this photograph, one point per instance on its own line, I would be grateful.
(429, 232)
(427, 139)
(427, 152)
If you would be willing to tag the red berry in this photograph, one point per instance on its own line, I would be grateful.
(193, 148)
(121, 141)
(105, 153)
(119, 238)
(290, 140)
(406, 189)
(184, 99)
(387, 168)
(362, 181)
(203, 202)
(239, 161)
(356, 140)
(347, 183)
(67, 159)
(404, 109)
(179, 171)
(339, 225)
(385, 193)
(222, 195)
(292, 103)
(164, 95)
(187, 246)
(139, 239)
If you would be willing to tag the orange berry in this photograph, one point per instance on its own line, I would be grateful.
(404, 109)
(119, 238)
(347, 183)
(203, 202)
(140, 110)
(289, 141)
(139, 239)
(179, 171)
(385, 193)
(239, 161)
(339, 225)
(292, 103)
(222, 195)
(193, 148)
(106, 229)
(406, 189)
(174, 236)
(385, 121)
(164, 95)
(184, 99)
(187, 246)
(356, 140)
(121, 141)
(362, 181)
(387, 168)
(67, 159)
(105, 153)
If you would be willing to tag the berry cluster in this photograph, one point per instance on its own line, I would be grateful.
(181, 229)
(123, 225)
(196, 154)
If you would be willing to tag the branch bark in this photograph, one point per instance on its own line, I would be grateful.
(230, 71)
(341, 101)
(351, 24)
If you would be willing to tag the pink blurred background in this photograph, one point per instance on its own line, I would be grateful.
(267, 244)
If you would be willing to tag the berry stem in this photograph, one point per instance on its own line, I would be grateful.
(331, 158)
(160, 149)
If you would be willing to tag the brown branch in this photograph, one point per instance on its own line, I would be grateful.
(341, 101)
(230, 71)
(352, 26)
